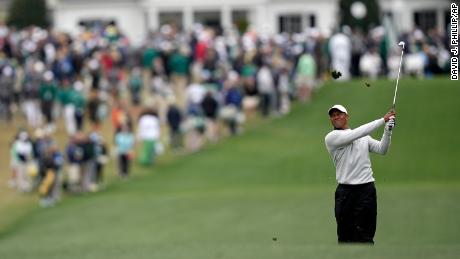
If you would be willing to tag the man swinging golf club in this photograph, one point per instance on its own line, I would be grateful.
(355, 197)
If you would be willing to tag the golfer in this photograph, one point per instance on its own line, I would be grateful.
(355, 197)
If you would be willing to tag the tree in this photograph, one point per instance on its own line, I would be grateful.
(23, 13)
(369, 20)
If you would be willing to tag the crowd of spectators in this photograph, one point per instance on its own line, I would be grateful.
(177, 91)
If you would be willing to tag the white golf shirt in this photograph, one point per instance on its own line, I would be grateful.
(350, 149)
(148, 128)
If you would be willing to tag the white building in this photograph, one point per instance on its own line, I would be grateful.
(4, 4)
(137, 17)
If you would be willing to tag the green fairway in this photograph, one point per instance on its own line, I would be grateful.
(269, 193)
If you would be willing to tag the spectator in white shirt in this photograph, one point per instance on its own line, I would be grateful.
(148, 134)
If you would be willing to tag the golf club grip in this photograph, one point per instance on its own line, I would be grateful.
(392, 117)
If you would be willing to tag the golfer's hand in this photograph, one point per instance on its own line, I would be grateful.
(390, 124)
(391, 113)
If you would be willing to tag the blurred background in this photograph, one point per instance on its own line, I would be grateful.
(93, 93)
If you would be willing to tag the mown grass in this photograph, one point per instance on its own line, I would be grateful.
(269, 192)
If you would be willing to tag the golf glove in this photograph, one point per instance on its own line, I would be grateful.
(390, 124)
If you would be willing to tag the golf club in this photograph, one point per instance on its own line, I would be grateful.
(401, 43)
(399, 71)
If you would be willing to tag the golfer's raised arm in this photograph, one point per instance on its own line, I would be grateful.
(381, 147)
(338, 138)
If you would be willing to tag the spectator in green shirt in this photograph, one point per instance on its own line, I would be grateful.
(135, 86)
(148, 55)
(305, 76)
(179, 65)
(48, 94)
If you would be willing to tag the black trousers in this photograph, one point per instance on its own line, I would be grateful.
(265, 105)
(356, 213)
(47, 110)
(79, 120)
(123, 165)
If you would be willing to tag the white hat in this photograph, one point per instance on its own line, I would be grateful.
(7, 71)
(78, 86)
(337, 107)
(48, 76)
(39, 67)
(23, 135)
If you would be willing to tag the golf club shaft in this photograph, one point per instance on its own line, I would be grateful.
(397, 79)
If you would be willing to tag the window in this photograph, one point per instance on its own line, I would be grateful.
(209, 18)
(171, 18)
(425, 20)
(312, 20)
(96, 24)
(240, 20)
(290, 23)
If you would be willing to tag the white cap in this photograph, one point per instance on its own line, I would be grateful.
(78, 86)
(23, 135)
(48, 76)
(39, 67)
(337, 107)
(233, 75)
(7, 71)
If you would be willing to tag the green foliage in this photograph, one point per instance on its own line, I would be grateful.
(371, 19)
(242, 25)
(25, 13)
